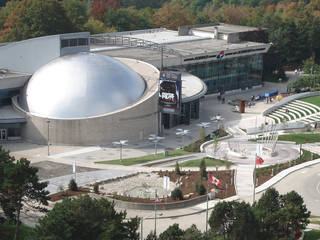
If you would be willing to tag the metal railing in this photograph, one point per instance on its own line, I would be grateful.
(111, 40)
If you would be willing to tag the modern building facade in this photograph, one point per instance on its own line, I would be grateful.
(225, 57)
(88, 90)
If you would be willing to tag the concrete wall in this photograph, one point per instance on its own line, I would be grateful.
(133, 123)
(289, 99)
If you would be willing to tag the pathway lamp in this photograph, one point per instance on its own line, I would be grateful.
(155, 139)
(121, 143)
(182, 132)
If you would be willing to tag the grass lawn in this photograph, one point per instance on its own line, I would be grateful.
(143, 159)
(301, 137)
(313, 100)
(312, 235)
(25, 232)
(210, 162)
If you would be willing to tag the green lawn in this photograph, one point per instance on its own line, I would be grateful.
(312, 235)
(210, 162)
(301, 137)
(143, 159)
(313, 100)
(25, 232)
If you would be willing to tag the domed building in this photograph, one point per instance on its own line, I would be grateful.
(86, 98)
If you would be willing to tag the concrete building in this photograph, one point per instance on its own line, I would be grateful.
(81, 89)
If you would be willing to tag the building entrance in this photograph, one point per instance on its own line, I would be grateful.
(3, 134)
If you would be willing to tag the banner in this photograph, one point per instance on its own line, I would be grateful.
(170, 92)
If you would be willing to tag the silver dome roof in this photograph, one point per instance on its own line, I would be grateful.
(81, 85)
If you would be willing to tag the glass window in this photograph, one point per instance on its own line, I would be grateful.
(83, 41)
(73, 42)
(64, 43)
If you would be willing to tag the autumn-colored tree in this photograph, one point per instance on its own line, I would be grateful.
(6, 10)
(34, 18)
(101, 7)
(172, 16)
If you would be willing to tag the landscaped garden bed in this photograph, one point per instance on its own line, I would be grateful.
(265, 173)
(188, 181)
(68, 193)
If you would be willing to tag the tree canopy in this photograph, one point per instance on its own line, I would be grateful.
(85, 218)
(34, 18)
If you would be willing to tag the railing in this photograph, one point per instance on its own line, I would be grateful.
(111, 40)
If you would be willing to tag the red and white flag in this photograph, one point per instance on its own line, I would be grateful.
(259, 160)
(214, 180)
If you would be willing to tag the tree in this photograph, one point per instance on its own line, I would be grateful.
(21, 187)
(101, 7)
(34, 18)
(177, 168)
(171, 16)
(295, 214)
(126, 19)
(77, 13)
(234, 220)
(280, 215)
(173, 232)
(86, 218)
(221, 219)
(5, 12)
(193, 233)
(96, 26)
(5, 160)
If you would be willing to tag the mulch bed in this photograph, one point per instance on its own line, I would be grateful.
(67, 193)
(266, 173)
(189, 180)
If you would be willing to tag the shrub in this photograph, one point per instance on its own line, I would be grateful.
(176, 194)
(203, 168)
(177, 168)
(73, 185)
(200, 189)
(96, 187)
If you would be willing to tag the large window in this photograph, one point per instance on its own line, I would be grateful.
(229, 74)
(73, 42)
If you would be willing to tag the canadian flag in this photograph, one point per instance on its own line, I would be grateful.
(259, 160)
(214, 180)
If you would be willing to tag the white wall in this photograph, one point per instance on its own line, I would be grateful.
(29, 55)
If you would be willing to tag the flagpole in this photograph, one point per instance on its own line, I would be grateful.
(155, 213)
(254, 178)
(208, 175)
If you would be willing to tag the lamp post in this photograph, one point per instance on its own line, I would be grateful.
(121, 143)
(182, 132)
(203, 125)
(155, 139)
(48, 137)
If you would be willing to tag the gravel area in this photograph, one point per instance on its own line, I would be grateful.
(48, 169)
(142, 185)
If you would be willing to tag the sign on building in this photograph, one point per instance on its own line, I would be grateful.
(170, 92)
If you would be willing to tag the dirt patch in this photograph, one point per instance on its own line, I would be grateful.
(48, 169)
(68, 193)
(188, 182)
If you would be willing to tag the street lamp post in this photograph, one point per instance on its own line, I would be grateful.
(155, 139)
(121, 143)
(48, 137)
(182, 132)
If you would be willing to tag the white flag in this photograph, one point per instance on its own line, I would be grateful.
(166, 183)
(74, 166)
(259, 150)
